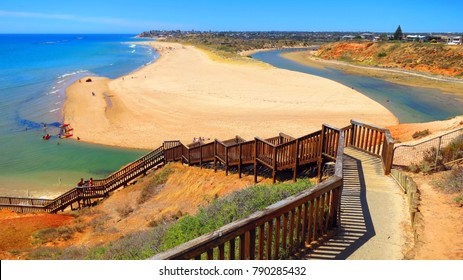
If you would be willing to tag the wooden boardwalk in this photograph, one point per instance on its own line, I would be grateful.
(373, 213)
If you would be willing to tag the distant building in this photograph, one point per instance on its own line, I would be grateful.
(367, 36)
(347, 38)
(454, 40)
(415, 38)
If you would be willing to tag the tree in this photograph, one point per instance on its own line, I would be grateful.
(398, 34)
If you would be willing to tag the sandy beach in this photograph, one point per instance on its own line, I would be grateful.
(186, 94)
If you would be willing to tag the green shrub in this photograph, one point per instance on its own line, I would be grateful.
(382, 54)
(153, 187)
(459, 199)
(454, 150)
(451, 182)
(229, 209)
(53, 234)
(421, 134)
(137, 246)
(46, 253)
(433, 161)
(124, 210)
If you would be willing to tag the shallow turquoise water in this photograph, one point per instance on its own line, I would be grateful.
(34, 72)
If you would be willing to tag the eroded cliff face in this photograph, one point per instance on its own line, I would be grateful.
(423, 57)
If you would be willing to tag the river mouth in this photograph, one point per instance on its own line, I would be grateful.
(409, 104)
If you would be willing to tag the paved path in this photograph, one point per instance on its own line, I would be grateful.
(374, 215)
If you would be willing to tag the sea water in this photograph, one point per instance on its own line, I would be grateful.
(409, 104)
(34, 73)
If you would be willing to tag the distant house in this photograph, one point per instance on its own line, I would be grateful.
(454, 40)
(347, 38)
(415, 38)
(435, 38)
(367, 36)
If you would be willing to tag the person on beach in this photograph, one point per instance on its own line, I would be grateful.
(93, 93)
(81, 182)
(90, 182)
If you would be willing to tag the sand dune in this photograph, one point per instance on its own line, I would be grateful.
(186, 94)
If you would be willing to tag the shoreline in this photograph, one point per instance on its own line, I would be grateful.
(447, 85)
(186, 94)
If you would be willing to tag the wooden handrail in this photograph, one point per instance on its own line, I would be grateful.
(286, 136)
(374, 140)
(266, 141)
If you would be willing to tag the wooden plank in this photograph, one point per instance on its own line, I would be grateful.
(310, 223)
(304, 222)
(242, 247)
(315, 217)
(321, 213)
(326, 215)
(276, 242)
(285, 231)
(222, 251)
(296, 161)
(255, 161)
(252, 244)
(269, 239)
(240, 149)
(261, 241)
(231, 252)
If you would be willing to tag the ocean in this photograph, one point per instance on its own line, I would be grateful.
(34, 73)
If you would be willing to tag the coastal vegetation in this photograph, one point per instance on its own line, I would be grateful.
(437, 160)
(421, 134)
(446, 163)
(226, 46)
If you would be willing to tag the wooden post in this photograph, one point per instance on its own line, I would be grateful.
(255, 160)
(200, 155)
(215, 155)
(274, 172)
(252, 244)
(240, 151)
(226, 161)
(296, 161)
(242, 247)
(320, 159)
(438, 151)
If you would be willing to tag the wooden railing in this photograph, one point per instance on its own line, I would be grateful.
(234, 152)
(280, 230)
(374, 140)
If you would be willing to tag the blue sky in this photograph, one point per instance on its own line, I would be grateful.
(135, 16)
